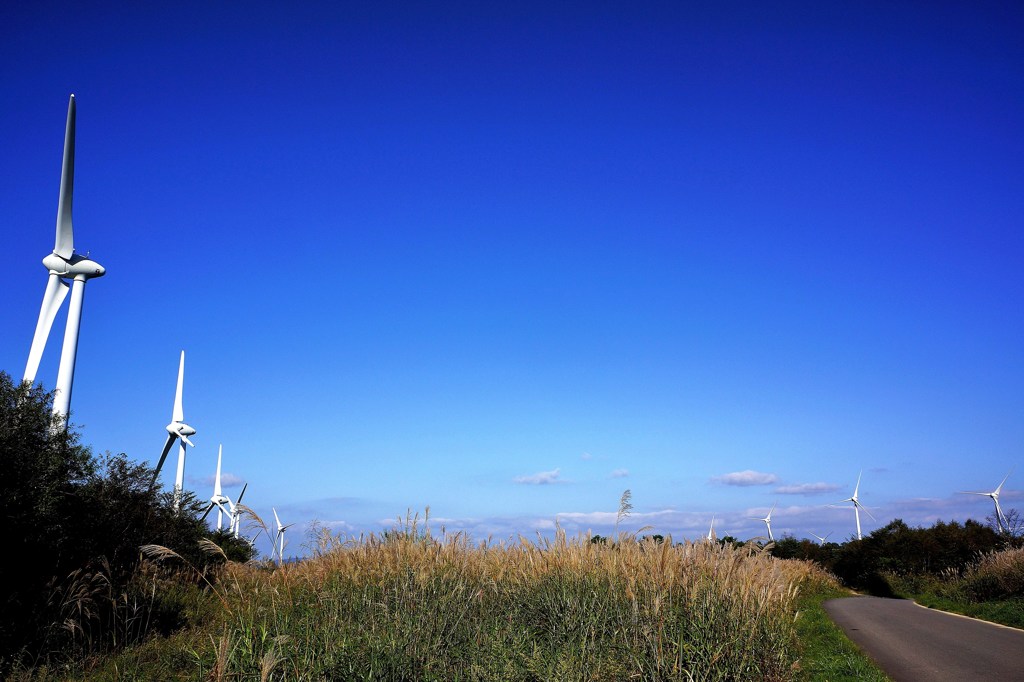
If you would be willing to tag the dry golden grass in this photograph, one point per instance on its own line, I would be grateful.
(412, 606)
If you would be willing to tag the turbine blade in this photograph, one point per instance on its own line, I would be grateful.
(53, 297)
(207, 513)
(996, 491)
(163, 455)
(865, 510)
(186, 441)
(64, 244)
(857, 489)
(216, 480)
(241, 494)
(278, 519)
(179, 412)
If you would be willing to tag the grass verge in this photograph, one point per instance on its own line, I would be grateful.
(1008, 612)
(825, 651)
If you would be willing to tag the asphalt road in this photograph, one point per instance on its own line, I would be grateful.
(910, 642)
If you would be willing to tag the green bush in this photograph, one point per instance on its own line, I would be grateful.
(73, 524)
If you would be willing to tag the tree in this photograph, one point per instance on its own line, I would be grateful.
(73, 521)
(1014, 524)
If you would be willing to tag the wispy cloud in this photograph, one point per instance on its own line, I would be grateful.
(620, 473)
(586, 457)
(226, 480)
(807, 489)
(540, 478)
(746, 478)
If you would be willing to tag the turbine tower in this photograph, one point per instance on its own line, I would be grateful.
(280, 537)
(179, 430)
(1001, 521)
(767, 522)
(219, 499)
(857, 506)
(63, 264)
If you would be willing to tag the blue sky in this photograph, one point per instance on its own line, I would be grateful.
(509, 262)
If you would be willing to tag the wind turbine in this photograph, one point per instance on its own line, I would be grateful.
(711, 530)
(219, 498)
(857, 506)
(179, 430)
(767, 522)
(236, 513)
(822, 538)
(1000, 518)
(63, 264)
(280, 537)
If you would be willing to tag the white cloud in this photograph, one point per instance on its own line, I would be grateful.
(586, 456)
(807, 489)
(620, 473)
(540, 478)
(746, 478)
(226, 480)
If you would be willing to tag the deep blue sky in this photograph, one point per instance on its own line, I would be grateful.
(508, 262)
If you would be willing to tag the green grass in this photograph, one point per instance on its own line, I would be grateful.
(1006, 612)
(411, 607)
(826, 652)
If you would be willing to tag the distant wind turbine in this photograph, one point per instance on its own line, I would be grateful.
(857, 506)
(767, 522)
(236, 511)
(822, 538)
(279, 539)
(1001, 521)
(63, 264)
(219, 499)
(179, 430)
(711, 530)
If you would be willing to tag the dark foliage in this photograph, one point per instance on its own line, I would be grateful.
(73, 525)
(899, 549)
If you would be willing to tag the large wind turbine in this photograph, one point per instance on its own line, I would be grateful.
(63, 264)
(767, 522)
(1004, 525)
(857, 506)
(179, 430)
(219, 499)
(280, 537)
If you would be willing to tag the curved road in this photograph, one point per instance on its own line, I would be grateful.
(910, 642)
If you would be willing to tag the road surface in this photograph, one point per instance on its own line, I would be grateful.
(910, 642)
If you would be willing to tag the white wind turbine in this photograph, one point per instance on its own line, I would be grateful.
(822, 538)
(711, 530)
(857, 506)
(63, 264)
(279, 539)
(767, 522)
(179, 430)
(236, 512)
(1000, 518)
(219, 499)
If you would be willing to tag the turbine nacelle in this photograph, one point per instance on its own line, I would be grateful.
(182, 431)
(75, 267)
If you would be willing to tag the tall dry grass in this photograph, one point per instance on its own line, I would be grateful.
(410, 606)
